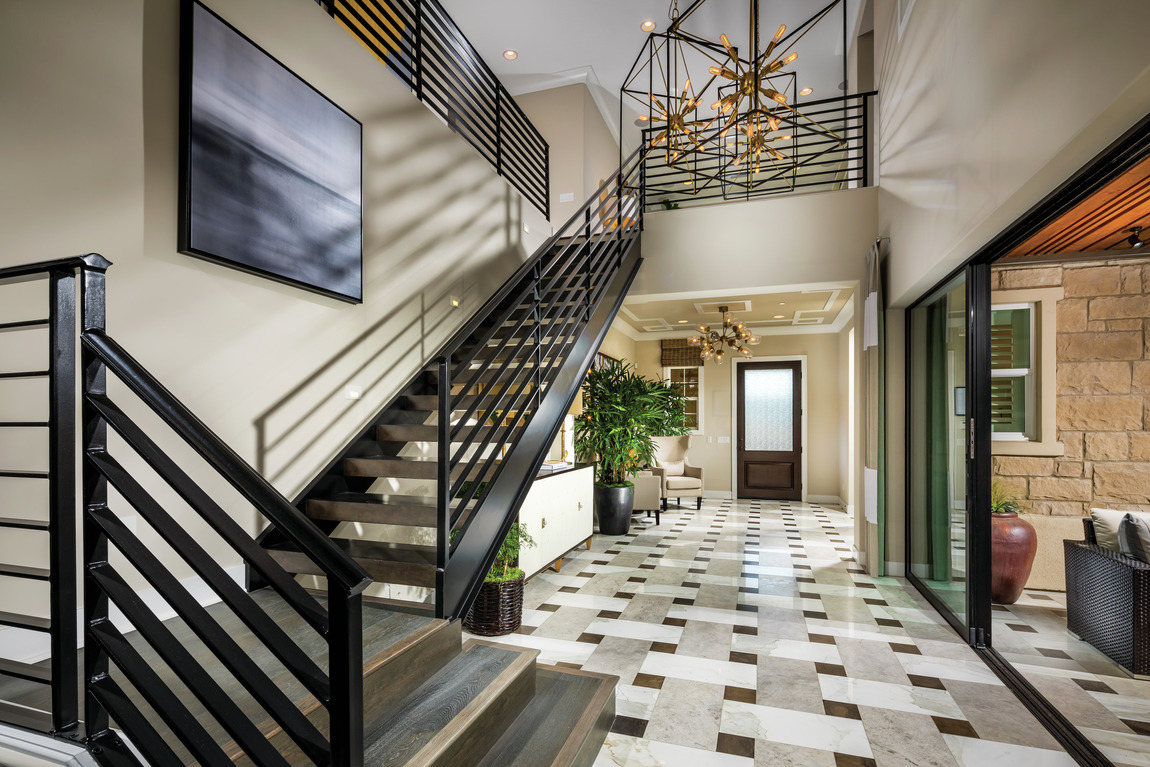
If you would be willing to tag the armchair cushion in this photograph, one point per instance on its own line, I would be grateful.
(1106, 522)
(682, 483)
(1134, 538)
(673, 468)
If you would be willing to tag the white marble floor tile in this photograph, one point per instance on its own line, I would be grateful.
(1126, 706)
(712, 614)
(946, 668)
(1119, 747)
(635, 702)
(659, 590)
(588, 600)
(857, 630)
(796, 728)
(653, 632)
(773, 647)
(551, 651)
(535, 617)
(627, 751)
(973, 752)
(791, 603)
(913, 700)
(700, 670)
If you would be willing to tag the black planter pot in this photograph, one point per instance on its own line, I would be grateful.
(613, 506)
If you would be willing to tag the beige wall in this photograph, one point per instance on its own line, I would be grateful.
(824, 410)
(583, 151)
(88, 144)
(790, 240)
(974, 127)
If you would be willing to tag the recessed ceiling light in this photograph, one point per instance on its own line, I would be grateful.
(806, 91)
(647, 26)
(782, 303)
(510, 55)
(682, 322)
(779, 317)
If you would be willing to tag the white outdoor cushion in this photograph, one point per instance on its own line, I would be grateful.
(683, 483)
(673, 468)
(1106, 522)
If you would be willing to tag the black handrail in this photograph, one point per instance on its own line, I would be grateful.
(336, 564)
(560, 292)
(339, 688)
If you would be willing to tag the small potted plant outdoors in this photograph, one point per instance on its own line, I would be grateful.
(498, 609)
(1013, 544)
(614, 429)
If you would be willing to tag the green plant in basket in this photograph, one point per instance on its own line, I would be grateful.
(504, 568)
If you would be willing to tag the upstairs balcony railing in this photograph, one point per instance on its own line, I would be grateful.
(420, 44)
(828, 150)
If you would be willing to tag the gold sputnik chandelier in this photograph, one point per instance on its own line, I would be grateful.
(714, 342)
(745, 137)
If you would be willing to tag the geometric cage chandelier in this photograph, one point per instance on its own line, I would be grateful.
(721, 115)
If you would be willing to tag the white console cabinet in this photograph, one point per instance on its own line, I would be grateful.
(558, 515)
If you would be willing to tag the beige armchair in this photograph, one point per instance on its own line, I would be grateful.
(648, 493)
(679, 478)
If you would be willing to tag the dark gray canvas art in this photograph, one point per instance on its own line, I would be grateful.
(272, 168)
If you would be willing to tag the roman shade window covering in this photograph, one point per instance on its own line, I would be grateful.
(678, 353)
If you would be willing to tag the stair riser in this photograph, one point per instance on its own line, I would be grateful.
(383, 468)
(424, 433)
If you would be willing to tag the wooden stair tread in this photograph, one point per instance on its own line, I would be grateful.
(417, 432)
(30, 622)
(564, 724)
(409, 510)
(406, 564)
(22, 571)
(449, 711)
(400, 467)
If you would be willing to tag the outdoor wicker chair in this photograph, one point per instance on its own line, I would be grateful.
(1108, 601)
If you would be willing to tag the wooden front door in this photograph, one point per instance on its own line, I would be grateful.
(769, 449)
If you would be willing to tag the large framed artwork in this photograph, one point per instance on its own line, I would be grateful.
(270, 169)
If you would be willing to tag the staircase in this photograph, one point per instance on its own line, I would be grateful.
(315, 671)
(458, 445)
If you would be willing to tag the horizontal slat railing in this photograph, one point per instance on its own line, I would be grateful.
(59, 522)
(108, 655)
(827, 149)
(422, 46)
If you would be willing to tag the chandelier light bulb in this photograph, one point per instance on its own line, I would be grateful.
(781, 31)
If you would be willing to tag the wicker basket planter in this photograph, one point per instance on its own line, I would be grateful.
(498, 609)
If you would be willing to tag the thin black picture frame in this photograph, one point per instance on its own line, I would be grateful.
(188, 241)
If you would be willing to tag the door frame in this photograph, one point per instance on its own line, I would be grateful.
(805, 425)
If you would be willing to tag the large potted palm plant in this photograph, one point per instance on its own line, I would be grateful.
(620, 409)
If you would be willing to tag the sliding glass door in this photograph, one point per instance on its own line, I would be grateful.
(938, 447)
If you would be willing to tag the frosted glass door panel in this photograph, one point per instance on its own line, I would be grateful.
(769, 410)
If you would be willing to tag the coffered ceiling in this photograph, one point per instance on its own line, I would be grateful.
(814, 309)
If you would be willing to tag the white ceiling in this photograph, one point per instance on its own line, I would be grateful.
(597, 41)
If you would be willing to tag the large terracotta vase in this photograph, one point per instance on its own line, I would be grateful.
(1013, 544)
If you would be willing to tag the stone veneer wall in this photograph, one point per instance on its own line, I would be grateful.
(1103, 384)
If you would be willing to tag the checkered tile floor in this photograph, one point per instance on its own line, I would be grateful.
(1092, 691)
(745, 634)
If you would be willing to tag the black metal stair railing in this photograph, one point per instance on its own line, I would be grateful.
(120, 678)
(507, 377)
(421, 45)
